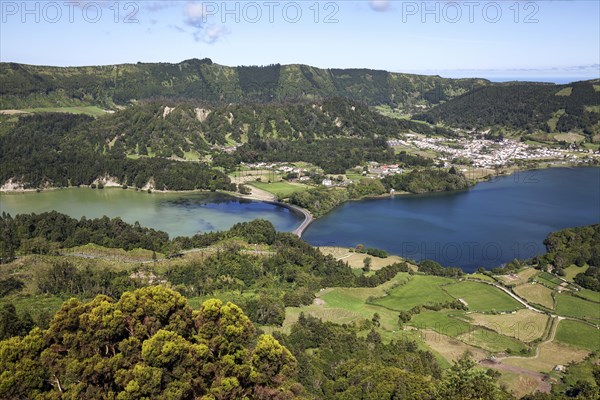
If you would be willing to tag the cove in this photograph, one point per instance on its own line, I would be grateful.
(178, 214)
(488, 225)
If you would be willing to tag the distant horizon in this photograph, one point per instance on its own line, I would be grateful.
(495, 76)
(487, 39)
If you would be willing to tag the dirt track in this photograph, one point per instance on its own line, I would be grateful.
(542, 379)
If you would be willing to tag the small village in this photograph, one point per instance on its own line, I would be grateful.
(465, 153)
(483, 153)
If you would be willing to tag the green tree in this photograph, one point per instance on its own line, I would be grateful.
(148, 344)
(11, 324)
(367, 261)
(464, 382)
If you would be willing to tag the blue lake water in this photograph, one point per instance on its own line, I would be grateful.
(490, 224)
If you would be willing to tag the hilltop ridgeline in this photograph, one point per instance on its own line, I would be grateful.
(25, 86)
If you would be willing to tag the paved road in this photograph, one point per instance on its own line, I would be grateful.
(307, 220)
(519, 299)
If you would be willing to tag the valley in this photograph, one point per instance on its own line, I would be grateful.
(436, 219)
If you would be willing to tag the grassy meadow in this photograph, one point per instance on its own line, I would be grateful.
(281, 189)
(578, 334)
(482, 297)
(536, 294)
(576, 307)
(94, 111)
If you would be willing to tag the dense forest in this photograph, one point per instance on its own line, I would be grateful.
(320, 201)
(293, 267)
(467, 103)
(525, 107)
(27, 86)
(133, 339)
(423, 181)
(61, 150)
(151, 344)
(144, 144)
(579, 246)
(148, 344)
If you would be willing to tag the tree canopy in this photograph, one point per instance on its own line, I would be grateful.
(148, 344)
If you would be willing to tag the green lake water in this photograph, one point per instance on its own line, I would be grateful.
(179, 214)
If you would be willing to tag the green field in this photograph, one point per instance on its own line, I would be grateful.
(40, 307)
(524, 325)
(578, 334)
(191, 155)
(564, 92)
(536, 294)
(573, 270)
(347, 305)
(589, 295)
(594, 109)
(419, 290)
(94, 250)
(89, 110)
(442, 322)
(281, 189)
(548, 279)
(482, 297)
(353, 174)
(572, 306)
(569, 137)
(554, 119)
(492, 341)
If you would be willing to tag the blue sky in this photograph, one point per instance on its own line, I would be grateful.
(501, 39)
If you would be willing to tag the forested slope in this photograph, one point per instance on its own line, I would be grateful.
(525, 107)
(24, 86)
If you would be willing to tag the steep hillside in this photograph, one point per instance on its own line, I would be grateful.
(525, 107)
(26, 86)
(143, 142)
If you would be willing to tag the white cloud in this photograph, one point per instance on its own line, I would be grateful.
(211, 33)
(194, 13)
(155, 6)
(380, 5)
(195, 17)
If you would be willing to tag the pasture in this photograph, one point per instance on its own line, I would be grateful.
(444, 322)
(482, 297)
(519, 278)
(578, 334)
(492, 341)
(524, 325)
(347, 305)
(572, 306)
(536, 294)
(88, 110)
(572, 270)
(548, 280)
(281, 189)
(450, 348)
(355, 260)
(550, 355)
(418, 291)
(589, 295)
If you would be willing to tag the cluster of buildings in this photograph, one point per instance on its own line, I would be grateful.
(481, 152)
(383, 170)
(284, 168)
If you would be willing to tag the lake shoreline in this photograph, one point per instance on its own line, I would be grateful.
(268, 198)
(471, 228)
